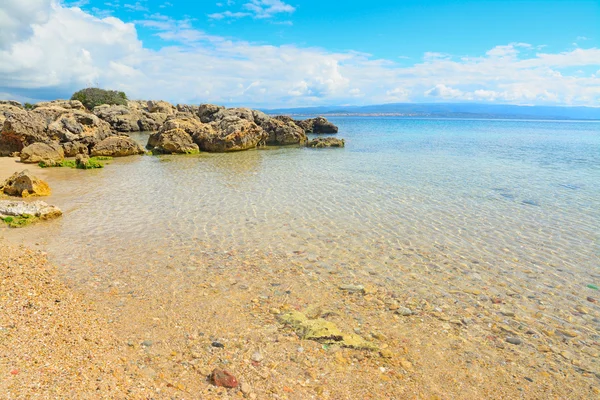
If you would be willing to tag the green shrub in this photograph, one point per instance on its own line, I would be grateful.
(92, 97)
(28, 106)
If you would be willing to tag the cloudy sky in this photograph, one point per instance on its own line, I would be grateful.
(276, 53)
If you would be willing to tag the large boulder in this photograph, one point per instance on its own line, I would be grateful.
(317, 125)
(283, 133)
(24, 184)
(78, 126)
(48, 153)
(117, 146)
(326, 142)
(172, 141)
(20, 129)
(231, 133)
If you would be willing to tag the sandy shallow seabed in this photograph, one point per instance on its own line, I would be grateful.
(124, 335)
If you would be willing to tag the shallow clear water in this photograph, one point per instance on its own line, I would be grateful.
(403, 191)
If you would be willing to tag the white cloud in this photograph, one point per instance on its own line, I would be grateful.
(229, 14)
(47, 48)
(259, 9)
(444, 92)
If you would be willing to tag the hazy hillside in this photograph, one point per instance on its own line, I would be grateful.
(453, 110)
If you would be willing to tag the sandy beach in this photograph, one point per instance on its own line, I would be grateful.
(112, 342)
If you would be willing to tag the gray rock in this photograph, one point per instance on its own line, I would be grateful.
(514, 340)
(405, 312)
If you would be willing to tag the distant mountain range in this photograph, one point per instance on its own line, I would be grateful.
(451, 110)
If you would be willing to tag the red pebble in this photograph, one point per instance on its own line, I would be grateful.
(591, 299)
(14, 372)
(223, 378)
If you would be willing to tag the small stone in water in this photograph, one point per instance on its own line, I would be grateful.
(223, 378)
(405, 312)
(300, 349)
(257, 356)
(514, 340)
(593, 287)
(245, 388)
(591, 300)
(218, 345)
(353, 288)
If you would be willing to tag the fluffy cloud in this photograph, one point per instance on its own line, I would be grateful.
(259, 9)
(49, 50)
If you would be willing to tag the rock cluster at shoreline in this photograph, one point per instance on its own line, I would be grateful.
(51, 131)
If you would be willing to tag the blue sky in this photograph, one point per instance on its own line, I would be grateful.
(305, 52)
(392, 28)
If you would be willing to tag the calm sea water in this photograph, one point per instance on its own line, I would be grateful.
(492, 192)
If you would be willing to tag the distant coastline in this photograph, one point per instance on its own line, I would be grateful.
(450, 111)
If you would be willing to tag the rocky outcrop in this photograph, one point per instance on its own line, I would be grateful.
(160, 107)
(221, 133)
(48, 153)
(39, 209)
(326, 142)
(137, 116)
(66, 104)
(78, 126)
(117, 146)
(317, 125)
(231, 134)
(24, 184)
(20, 129)
(283, 133)
(8, 107)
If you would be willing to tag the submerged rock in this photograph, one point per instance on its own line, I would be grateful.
(117, 146)
(323, 331)
(49, 154)
(326, 142)
(24, 184)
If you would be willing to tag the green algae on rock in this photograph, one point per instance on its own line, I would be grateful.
(323, 331)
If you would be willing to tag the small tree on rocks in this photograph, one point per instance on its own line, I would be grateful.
(92, 97)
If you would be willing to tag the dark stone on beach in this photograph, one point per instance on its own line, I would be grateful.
(218, 345)
(223, 378)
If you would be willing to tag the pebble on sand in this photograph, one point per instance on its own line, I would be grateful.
(223, 378)
(514, 340)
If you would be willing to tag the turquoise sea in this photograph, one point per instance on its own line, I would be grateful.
(489, 190)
